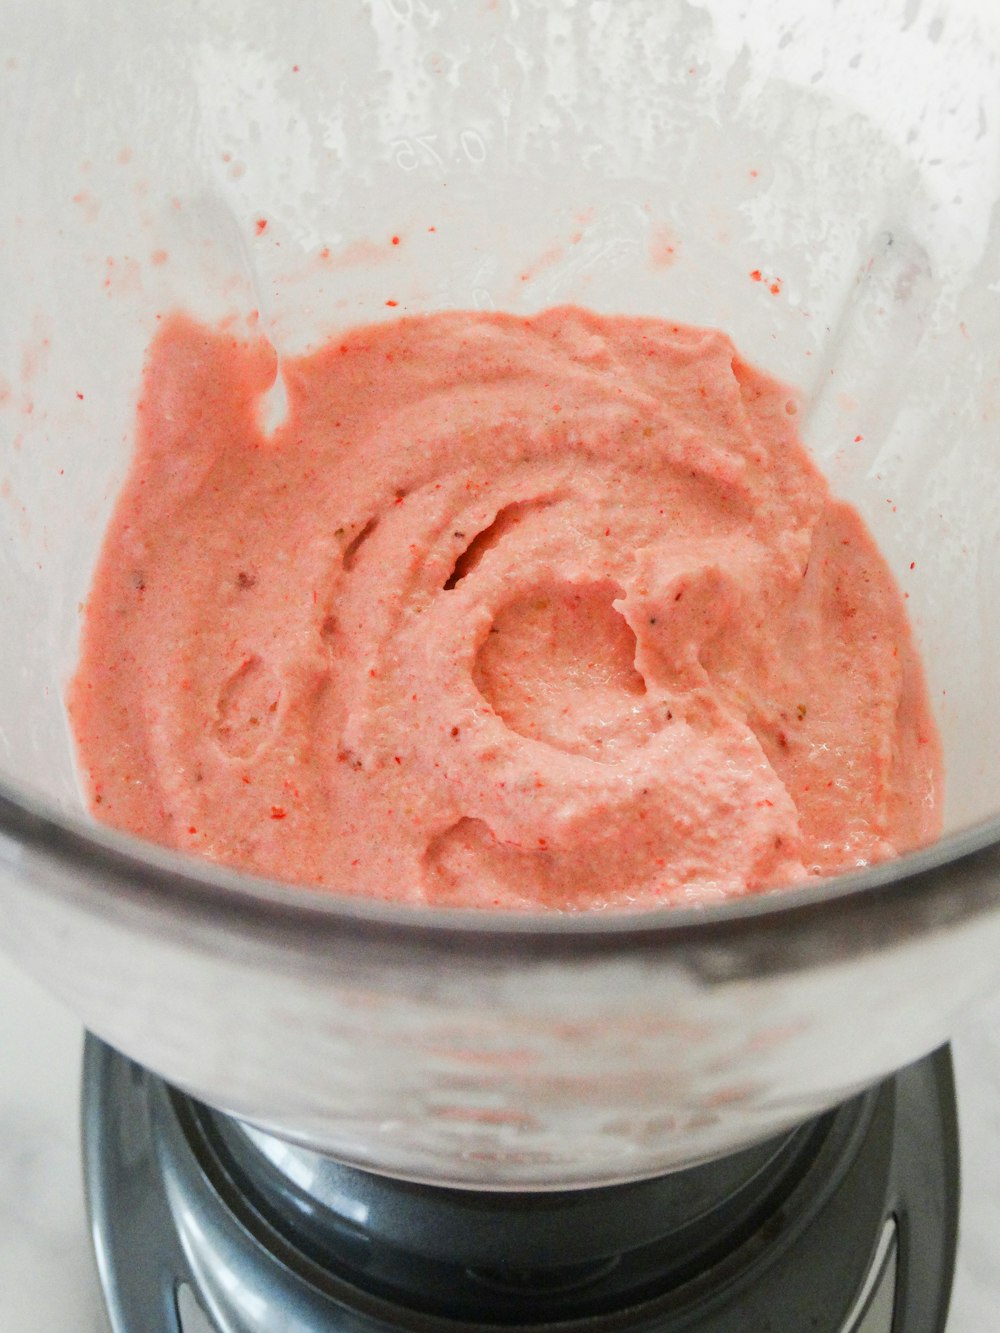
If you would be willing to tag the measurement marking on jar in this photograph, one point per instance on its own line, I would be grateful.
(428, 150)
(473, 146)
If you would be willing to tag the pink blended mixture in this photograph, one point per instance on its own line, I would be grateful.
(509, 613)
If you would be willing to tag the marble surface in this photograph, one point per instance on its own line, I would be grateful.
(48, 1283)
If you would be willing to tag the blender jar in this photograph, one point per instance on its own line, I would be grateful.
(821, 186)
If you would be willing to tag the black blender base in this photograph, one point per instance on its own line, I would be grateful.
(202, 1225)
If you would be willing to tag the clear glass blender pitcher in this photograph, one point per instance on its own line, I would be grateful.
(823, 185)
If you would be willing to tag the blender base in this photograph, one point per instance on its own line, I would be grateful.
(202, 1224)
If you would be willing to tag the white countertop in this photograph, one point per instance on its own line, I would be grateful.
(48, 1283)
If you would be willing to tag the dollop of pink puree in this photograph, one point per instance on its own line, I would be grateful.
(515, 613)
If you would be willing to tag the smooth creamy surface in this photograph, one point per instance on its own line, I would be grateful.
(509, 612)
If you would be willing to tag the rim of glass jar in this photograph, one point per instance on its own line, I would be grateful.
(119, 866)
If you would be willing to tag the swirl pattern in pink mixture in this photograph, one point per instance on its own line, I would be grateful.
(550, 612)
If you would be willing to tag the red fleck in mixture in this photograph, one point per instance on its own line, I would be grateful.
(435, 641)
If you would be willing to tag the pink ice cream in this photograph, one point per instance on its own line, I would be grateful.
(509, 613)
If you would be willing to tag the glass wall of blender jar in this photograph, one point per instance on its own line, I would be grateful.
(553, 165)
